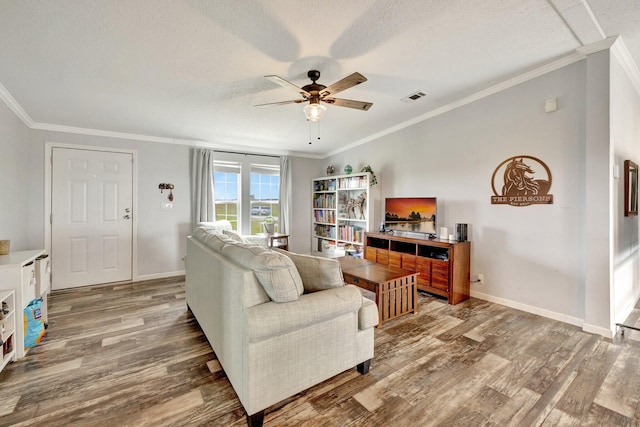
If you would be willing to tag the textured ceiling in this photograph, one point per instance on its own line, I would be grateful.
(192, 70)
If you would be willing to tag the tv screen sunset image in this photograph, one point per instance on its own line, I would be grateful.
(412, 214)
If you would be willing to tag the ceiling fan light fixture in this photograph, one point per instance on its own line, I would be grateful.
(314, 111)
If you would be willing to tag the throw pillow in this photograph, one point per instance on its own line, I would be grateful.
(317, 273)
(276, 273)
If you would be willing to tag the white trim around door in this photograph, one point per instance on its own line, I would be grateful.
(48, 150)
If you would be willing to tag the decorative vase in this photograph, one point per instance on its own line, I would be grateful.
(348, 169)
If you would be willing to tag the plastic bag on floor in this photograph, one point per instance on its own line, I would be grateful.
(33, 323)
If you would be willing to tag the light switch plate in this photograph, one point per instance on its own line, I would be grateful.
(551, 105)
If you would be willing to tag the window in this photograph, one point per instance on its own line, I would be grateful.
(264, 195)
(246, 190)
(226, 189)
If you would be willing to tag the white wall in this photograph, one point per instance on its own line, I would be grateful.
(598, 196)
(625, 138)
(161, 234)
(14, 173)
(532, 257)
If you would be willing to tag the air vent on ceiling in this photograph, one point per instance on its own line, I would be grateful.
(415, 96)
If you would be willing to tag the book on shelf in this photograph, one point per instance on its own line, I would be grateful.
(351, 233)
(325, 231)
(324, 201)
(352, 182)
(325, 185)
(325, 216)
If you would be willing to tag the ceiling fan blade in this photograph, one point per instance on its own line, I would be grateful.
(293, 101)
(349, 81)
(285, 83)
(349, 103)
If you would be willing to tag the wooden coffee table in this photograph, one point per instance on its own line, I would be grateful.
(396, 289)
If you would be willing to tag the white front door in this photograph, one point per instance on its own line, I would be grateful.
(91, 225)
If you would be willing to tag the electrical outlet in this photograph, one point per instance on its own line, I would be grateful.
(480, 277)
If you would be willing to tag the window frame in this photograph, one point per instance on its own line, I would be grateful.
(228, 167)
(257, 218)
(246, 162)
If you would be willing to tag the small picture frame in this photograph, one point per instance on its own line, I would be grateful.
(630, 188)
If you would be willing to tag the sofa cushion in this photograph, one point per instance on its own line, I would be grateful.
(212, 238)
(317, 273)
(221, 225)
(276, 273)
(235, 236)
(242, 253)
(269, 320)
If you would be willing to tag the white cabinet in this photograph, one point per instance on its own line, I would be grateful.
(343, 210)
(17, 273)
(7, 327)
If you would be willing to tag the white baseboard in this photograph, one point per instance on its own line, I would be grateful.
(534, 310)
(599, 330)
(159, 275)
(623, 313)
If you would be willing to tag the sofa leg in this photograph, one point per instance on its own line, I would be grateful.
(363, 367)
(256, 419)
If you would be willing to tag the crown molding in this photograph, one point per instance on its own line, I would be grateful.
(113, 134)
(598, 46)
(163, 140)
(622, 54)
(13, 105)
(509, 83)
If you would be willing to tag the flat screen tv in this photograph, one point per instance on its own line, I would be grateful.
(410, 214)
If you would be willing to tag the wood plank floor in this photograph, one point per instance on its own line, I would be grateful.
(132, 355)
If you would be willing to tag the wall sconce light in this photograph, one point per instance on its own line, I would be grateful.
(167, 187)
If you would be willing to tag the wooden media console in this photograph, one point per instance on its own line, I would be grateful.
(444, 266)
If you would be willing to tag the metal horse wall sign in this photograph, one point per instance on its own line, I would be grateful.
(525, 181)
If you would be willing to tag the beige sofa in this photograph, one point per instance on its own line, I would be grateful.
(278, 323)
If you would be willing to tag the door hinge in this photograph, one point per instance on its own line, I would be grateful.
(50, 218)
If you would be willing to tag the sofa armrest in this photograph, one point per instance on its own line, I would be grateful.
(272, 319)
(367, 315)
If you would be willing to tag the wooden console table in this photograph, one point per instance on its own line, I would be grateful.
(395, 288)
